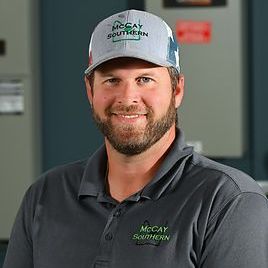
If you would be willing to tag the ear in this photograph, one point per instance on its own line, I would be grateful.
(179, 91)
(89, 90)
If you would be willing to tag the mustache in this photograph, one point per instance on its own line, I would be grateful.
(128, 109)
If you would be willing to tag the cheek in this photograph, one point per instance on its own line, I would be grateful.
(158, 102)
(101, 102)
(100, 98)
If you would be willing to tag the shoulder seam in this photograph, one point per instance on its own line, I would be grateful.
(220, 171)
(228, 201)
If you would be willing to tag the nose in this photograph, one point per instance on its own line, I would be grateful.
(128, 93)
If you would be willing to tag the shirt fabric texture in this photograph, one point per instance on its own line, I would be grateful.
(194, 213)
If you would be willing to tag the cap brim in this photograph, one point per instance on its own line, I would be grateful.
(128, 55)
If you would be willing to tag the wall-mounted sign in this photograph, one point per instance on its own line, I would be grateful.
(194, 3)
(11, 97)
(193, 32)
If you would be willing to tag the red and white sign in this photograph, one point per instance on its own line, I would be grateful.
(193, 32)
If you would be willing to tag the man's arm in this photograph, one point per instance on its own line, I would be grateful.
(237, 236)
(19, 252)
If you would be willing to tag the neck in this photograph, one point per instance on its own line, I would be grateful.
(129, 174)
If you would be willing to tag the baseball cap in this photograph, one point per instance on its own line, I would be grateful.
(133, 33)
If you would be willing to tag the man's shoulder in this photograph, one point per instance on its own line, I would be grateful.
(224, 175)
(219, 187)
(68, 175)
(72, 169)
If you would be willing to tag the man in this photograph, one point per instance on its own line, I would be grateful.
(145, 198)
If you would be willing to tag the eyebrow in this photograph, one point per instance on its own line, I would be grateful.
(109, 74)
(103, 74)
(147, 74)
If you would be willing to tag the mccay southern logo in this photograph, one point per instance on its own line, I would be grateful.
(126, 31)
(151, 234)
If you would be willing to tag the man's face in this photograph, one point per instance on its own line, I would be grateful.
(133, 103)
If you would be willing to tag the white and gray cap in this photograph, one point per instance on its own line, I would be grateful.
(133, 33)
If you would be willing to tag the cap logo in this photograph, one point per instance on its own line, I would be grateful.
(126, 31)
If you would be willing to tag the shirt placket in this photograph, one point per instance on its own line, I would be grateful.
(108, 236)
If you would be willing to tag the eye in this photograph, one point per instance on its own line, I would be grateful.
(144, 79)
(112, 81)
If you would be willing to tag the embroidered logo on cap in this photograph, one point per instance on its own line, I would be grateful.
(126, 31)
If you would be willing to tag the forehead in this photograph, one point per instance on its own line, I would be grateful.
(125, 63)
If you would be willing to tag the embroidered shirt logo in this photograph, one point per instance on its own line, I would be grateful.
(126, 31)
(151, 234)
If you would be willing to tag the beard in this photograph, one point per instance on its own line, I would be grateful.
(132, 140)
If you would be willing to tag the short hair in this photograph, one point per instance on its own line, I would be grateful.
(174, 76)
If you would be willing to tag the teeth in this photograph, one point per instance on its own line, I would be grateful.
(130, 116)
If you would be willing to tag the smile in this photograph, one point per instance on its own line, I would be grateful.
(136, 115)
(129, 115)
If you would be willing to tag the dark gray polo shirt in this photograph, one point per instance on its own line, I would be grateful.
(194, 213)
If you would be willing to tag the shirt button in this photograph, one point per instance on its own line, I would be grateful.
(117, 213)
(109, 236)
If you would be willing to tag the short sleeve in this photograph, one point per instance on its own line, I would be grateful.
(237, 236)
(19, 252)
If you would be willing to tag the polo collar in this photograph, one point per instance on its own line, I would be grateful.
(171, 169)
(93, 180)
(167, 176)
